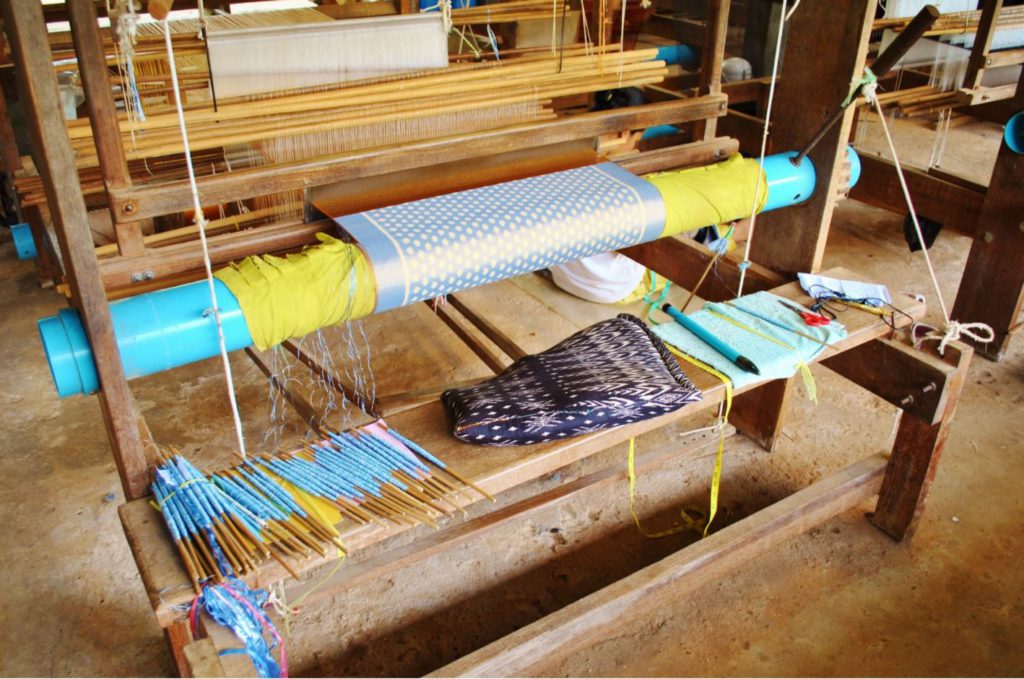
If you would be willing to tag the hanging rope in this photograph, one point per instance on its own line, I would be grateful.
(201, 226)
(745, 264)
(953, 330)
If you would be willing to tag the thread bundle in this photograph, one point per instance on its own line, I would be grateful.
(283, 506)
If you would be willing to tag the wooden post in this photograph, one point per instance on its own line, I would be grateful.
(982, 42)
(92, 65)
(992, 287)
(56, 164)
(712, 55)
(826, 51)
(759, 414)
(915, 457)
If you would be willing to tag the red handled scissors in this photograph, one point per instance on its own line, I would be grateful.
(810, 318)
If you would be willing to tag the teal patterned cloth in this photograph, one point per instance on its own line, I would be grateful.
(774, 361)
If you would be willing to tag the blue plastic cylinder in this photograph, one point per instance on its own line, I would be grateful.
(435, 6)
(659, 131)
(155, 331)
(790, 184)
(678, 55)
(24, 243)
(1014, 133)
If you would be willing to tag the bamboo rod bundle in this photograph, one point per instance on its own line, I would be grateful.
(461, 91)
(508, 12)
(956, 23)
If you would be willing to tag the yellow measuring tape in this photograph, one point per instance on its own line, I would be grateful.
(688, 521)
(805, 370)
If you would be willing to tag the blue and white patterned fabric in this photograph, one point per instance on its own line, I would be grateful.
(436, 246)
(613, 373)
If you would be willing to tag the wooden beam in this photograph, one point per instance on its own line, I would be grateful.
(202, 659)
(992, 286)
(153, 200)
(955, 206)
(827, 53)
(678, 29)
(682, 260)
(679, 156)
(55, 161)
(759, 414)
(103, 117)
(579, 625)
(915, 456)
(385, 564)
(982, 43)
(747, 130)
(712, 55)
(914, 381)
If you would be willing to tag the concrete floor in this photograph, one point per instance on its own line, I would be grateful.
(842, 600)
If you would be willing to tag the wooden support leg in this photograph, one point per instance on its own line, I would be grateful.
(992, 287)
(178, 636)
(47, 268)
(827, 52)
(915, 457)
(759, 414)
(26, 31)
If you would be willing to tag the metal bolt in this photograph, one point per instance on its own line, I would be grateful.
(988, 237)
(141, 276)
(929, 387)
(129, 208)
(907, 400)
(988, 62)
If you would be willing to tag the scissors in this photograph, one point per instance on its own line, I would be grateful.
(811, 319)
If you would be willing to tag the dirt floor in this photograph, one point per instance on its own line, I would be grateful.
(841, 600)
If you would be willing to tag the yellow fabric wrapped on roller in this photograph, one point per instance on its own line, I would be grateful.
(284, 297)
(714, 194)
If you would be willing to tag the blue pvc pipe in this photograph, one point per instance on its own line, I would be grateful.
(678, 55)
(156, 331)
(24, 243)
(1014, 133)
(659, 131)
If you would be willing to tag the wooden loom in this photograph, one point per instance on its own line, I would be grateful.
(924, 387)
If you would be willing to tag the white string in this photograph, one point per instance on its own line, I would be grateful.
(979, 332)
(622, 37)
(745, 264)
(201, 225)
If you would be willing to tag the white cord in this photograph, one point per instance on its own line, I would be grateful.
(953, 330)
(201, 225)
(764, 147)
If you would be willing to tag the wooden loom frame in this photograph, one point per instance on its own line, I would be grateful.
(926, 389)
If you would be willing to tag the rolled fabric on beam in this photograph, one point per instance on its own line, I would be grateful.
(160, 330)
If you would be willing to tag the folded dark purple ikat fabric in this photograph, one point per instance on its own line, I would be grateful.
(613, 373)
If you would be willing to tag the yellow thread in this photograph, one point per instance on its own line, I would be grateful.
(159, 506)
(805, 371)
(689, 523)
(716, 475)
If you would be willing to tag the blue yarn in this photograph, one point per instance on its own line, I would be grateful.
(228, 611)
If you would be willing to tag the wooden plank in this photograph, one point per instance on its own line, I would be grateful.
(23, 22)
(103, 117)
(759, 414)
(982, 42)
(829, 54)
(912, 380)
(1004, 58)
(153, 200)
(679, 156)
(682, 260)
(712, 54)
(178, 636)
(992, 286)
(480, 343)
(383, 565)
(956, 207)
(915, 456)
(202, 659)
(499, 469)
(572, 629)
